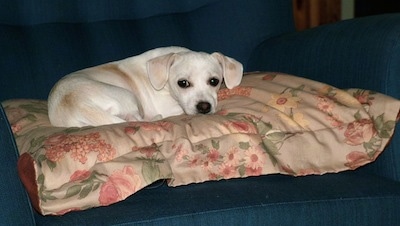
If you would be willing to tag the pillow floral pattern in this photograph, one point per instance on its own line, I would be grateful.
(272, 123)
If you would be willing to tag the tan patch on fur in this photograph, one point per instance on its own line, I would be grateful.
(115, 70)
(68, 100)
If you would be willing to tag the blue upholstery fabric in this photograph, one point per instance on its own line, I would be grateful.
(41, 41)
(15, 206)
(26, 12)
(360, 53)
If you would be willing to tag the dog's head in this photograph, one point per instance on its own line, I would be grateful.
(193, 78)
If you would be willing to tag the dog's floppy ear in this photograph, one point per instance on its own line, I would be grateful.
(232, 70)
(158, 69)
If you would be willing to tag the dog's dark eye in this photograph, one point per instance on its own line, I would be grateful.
(214, 82)
(183, 83)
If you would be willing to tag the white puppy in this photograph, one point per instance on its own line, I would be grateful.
(156, 84)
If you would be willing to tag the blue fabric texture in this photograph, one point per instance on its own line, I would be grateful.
(41, 41)
(15, 205)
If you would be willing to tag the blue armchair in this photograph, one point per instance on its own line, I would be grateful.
(40, 41)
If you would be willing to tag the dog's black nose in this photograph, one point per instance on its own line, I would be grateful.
(203, 107)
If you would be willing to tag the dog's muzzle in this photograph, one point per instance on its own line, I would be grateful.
(203, 107)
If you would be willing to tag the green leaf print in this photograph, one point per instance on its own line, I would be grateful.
(31, 117)
(202, 148)
(72, 130)
(43, 194)
(357, 115)
(86, 191)
(38, 107)
(242, 170)
(150, 171)
(263, 127)
(270, 147)
(51, 164)
(383, 128)
(215, 144)
(40, 179)
(295, 91)
(276, 136)
(38, 141)
(46, 195)
(73, 190)
(244, 145)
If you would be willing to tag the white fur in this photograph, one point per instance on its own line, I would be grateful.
(142, 88)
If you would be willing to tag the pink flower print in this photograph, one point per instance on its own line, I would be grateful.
(241, 126)
(363, 97)
(180, 152)
(131, 130)
(356, 159)
(237, 91)
(335, 121)
(206, 165)
(62, 212)
(269, 77)
(213, 155)
(213, 176)
(222, 112)
(232, 157)
(283, 101)
(78, 146)
(224, 94)
(79, 175)
(308, 171)
(149, 151)
(106, 152)
(194, 161)
(325, 105)
(254, 158)
(82, 145)
(55, 146)
(119, 185)
(16, 128)
(108, 194)
(227, 171)
(156, 126)
(253, 171)
(359, 132)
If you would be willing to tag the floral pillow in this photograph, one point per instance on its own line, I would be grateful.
(272, 123)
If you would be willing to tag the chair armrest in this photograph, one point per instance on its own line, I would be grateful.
(15, 208)
(357, 53)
